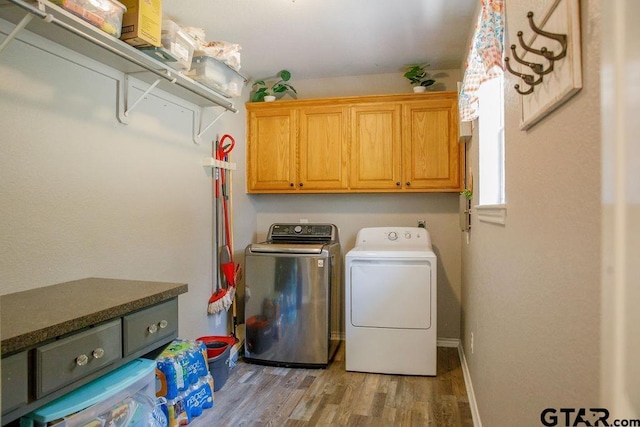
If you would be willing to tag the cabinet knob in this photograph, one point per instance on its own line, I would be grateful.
(163, 324)
(152, 328)
(398, 183)
(82, 360)
(98, 353)
(301, 184)
(291, 184)
(408, 183)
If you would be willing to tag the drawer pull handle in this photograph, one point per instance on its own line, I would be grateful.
(82, 360)
(163, 324)
(153, 328)
(98, 353)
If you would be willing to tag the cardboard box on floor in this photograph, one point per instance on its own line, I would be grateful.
(142, 23)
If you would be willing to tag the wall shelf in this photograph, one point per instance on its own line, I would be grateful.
(54, 23)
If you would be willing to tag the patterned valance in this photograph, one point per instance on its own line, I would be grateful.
(485, 59)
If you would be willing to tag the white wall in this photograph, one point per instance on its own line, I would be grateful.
(83, 195)
(531, 288)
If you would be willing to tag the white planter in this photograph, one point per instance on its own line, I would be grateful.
(419, 89)
(271, 98)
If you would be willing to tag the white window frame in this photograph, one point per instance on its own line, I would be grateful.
(493, 210)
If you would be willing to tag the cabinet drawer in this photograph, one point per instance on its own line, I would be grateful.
(15, 392)
(150, 325)
(76, 356)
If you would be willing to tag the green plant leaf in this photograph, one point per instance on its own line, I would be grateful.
(285, 75)
(259, 83)
(428, 82)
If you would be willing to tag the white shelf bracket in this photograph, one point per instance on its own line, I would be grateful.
(197, 124)
(124, 109)
(19, 27)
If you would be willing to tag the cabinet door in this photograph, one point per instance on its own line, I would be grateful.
(375, 147)
(323, 148)
(15, 381)
(271, 151)
(431, 153)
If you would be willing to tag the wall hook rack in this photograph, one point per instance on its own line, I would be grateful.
(550, 50)
(544, 52)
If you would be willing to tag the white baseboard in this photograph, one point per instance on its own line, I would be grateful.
(449, 342)
(473, 405)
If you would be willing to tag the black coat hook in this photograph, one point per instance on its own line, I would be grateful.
(527, 78)
(560, 38)
(535, 67)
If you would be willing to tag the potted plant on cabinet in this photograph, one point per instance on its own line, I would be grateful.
(267, 93)
(418, 77)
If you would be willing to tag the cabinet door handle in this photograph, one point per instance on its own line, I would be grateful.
(408, 183)
(291, 184)
(98, 353)
(82, 360)
(163, 324)
(153, 328)
(398, 183)
(301, 184)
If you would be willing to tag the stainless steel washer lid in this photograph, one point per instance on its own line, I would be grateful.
(286, 248)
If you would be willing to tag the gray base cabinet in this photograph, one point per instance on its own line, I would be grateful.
(42, 364)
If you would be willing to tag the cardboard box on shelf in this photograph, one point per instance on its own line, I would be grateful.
(142, 23)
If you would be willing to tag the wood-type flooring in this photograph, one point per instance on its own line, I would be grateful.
(256, 395)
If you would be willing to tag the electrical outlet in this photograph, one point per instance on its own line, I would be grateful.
(422, 223)
(471, 342)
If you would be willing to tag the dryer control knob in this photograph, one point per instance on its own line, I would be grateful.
(407, 235)
(297, 229)
(393, 235)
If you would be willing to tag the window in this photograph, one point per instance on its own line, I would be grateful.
(491, 136)
(491, 206)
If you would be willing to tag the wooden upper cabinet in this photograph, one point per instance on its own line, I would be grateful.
(430, 152)
(271, 150)
(375, 147)
(323, 148)
(381, 143)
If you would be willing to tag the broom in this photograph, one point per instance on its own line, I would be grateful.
(218, 301)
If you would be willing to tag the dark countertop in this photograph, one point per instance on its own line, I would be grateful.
(37, 315)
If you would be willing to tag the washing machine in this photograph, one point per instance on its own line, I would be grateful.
(390, 302)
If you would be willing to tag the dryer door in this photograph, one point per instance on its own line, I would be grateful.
(391, 293)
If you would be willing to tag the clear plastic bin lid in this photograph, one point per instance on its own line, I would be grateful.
(96, 391)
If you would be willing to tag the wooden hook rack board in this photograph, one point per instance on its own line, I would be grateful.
(561, 17)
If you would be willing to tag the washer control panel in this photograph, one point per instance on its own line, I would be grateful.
(303, 232)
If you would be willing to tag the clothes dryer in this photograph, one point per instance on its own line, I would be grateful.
(390, 302)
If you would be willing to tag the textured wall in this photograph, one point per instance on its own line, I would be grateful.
(531, 289)
(83, 195)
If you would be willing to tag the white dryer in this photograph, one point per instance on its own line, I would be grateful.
(390, 302)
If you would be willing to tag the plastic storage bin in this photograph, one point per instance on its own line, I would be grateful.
(217, 75)
(179, 44)
(104, 14)
(124, 397)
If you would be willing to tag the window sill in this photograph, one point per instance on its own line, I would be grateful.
(494, 214)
